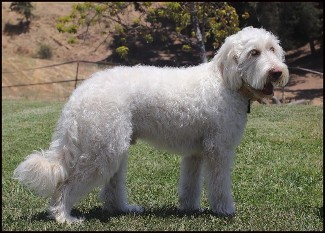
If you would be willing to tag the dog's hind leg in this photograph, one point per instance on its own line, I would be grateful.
(114, 193)
(190, 183)
(76, 186)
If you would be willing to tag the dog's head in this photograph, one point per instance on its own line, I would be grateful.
(252, 57)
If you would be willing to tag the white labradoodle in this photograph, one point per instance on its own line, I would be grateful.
(199, 112)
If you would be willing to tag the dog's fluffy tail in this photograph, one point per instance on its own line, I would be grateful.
(41, 172)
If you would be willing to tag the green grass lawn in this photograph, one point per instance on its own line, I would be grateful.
(277, 176)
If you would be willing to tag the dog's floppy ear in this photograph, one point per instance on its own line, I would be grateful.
(227, 61)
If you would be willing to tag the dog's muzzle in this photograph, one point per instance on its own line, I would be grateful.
(273, 80)
(276, 77)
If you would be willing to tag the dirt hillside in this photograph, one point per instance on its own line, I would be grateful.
(42, 30)
(304, 85)
(20, 45)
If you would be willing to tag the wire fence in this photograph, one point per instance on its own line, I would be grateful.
(55, 81)
(50, 83)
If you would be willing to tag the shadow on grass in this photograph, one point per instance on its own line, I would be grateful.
(97, 213)
(42, 217)
(160, 212)
(167, 211)
(320, 212)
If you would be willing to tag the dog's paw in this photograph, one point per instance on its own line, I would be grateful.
(224, 214)
(73, 220)
(224, 211)
(69, 220)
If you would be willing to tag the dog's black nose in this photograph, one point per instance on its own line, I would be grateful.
(275, 75)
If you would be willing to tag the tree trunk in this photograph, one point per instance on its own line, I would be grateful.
(196, 26)
(312, 46)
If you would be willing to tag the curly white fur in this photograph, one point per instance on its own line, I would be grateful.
(198, 112)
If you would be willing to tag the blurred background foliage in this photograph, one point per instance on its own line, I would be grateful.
(191, 29)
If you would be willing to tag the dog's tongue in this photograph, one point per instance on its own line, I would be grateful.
(268, 89)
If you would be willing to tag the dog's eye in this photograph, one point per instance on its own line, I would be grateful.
(255, 52)
(272, 49)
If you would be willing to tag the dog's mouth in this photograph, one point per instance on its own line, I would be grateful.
(276, 77)
(268, 89)
(266, 92)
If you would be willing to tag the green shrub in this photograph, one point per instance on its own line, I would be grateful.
(44, 52)
(186, 48)
(72, 40)
(123, 52)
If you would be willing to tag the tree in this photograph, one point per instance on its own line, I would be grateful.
(310, 22)
(295, 22)
(195, 25)
(24, 8)
(199, 20)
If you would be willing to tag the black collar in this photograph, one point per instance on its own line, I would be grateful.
(247, 92)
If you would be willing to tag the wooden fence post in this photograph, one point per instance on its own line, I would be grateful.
(75, 85)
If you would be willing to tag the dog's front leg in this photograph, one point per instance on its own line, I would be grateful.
(190, 183)
(217, 171)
